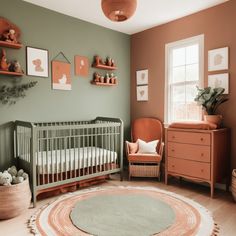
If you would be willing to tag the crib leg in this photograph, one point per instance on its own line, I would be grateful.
(121, 176)
(34, 198)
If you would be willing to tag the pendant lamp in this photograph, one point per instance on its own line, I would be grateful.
(118, 10)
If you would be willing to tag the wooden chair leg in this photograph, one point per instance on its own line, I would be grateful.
(129, 172)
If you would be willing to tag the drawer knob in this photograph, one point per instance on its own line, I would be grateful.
(202, 170)
(202, 154)
(173, 166)
(202, 139)
(172, 150)
(173, 137)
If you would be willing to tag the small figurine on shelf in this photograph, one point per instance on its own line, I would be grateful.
(96, 77)
(15, 67)
(10, 36)
(115, 80)
(107, 78)
(108, 61)
(112, 78)
(97, 60)
(113, 63)
(4, 65)
(101, 79)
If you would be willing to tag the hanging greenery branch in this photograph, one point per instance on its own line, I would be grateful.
(9, 95)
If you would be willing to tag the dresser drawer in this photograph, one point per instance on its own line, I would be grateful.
(189, 137)
(189, 151)
(189, 168)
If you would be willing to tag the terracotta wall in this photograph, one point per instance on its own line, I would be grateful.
(148, 51)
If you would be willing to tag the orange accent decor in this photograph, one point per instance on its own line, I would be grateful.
(119, 10)
(61, 77)
(194, 125)
(81, 66)
(145, 165)
(199, 155)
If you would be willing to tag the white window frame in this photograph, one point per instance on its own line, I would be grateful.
(168, 48)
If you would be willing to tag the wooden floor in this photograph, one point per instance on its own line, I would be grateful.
(222, 206)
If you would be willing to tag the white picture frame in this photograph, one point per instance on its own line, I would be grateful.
(218, 59)
(219, 80)
(142, 93)
(142, 77)
(37, 62)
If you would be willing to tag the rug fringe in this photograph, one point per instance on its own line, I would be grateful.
(216, 230)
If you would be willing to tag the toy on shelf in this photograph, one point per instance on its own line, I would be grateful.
(9, 67)
(15, 67)
(4, 65)
(9, 34)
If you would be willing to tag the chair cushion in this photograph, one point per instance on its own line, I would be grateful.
(133, 147)
(147, 147)
(144, 158)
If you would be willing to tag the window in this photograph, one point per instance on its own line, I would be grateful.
(184, 71)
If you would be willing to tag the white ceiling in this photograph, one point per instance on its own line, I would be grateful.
(149, 13)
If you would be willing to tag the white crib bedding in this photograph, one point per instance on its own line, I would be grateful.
(58, 161)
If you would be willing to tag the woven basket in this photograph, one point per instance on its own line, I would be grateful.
(14, 199)
(233, 187)
(144, 170)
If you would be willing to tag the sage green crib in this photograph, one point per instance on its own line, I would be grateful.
(58, 153)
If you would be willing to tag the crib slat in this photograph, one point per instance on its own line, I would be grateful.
(87, 166)
(52, 160)
(62, 168)
(65, 157)
(56, 155)
(96, 145)
(83, 153)
(79, 157)
(47, 150)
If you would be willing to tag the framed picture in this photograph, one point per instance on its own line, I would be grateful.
(81, 66)
(219, 80)
(218, 59)
(61, 76)
(142, 77)
(142, 93)
(37, 62)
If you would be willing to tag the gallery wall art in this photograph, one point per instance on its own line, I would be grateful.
(61, 75)
(219, 80)
(142, 77)
(218, 59)
(81, 66)
(37, 62)
(142, 85)
(142, 93)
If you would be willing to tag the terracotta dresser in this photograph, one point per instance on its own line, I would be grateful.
(199, 155)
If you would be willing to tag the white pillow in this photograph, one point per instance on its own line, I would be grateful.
(144, 147)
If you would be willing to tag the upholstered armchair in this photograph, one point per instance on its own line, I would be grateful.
(145, 162)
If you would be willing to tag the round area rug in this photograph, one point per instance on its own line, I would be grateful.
(122, 211)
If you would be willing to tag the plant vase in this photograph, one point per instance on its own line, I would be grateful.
(215, 119)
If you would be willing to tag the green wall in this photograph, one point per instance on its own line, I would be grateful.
(56, 32)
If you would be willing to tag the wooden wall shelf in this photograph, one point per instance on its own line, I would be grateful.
(102, 84)
(10, 45)
(104, 67)
(2, 72)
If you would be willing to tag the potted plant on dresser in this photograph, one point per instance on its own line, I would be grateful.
(210, 99)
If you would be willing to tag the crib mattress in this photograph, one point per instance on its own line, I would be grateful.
(58, 161)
